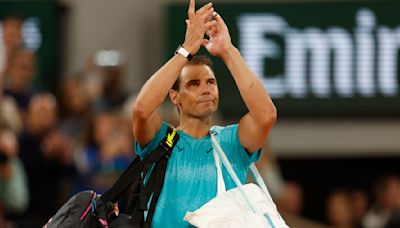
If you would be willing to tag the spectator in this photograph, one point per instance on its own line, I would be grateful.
(21, 73)
(340, 213)
(112, 73)
(75, 113)
(360, 204)
(108, 152)
(9, 115)
(290, 205)
(386, 204)
(46, 154)
(12, 39)
(93, 78)
(13, 183)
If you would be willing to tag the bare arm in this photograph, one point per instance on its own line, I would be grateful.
(146, 118)
(254, 127)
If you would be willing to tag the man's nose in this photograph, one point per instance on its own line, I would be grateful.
(205, 88)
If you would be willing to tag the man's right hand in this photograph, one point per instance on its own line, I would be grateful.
(197, 25)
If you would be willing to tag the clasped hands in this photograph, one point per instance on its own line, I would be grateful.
(206, 21)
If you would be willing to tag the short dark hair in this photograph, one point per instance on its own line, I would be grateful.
(196, 60)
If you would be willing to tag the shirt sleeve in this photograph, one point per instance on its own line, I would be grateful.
(143, 152)
(235, 151)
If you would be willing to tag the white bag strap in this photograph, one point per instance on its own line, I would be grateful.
(231, 172)
(254, 171)
(220, 153)
(220, 180)
(264, 188)
(260, 182)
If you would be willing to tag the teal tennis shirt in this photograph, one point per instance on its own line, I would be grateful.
(191, 177)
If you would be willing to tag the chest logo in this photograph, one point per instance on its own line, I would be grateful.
(170, 137)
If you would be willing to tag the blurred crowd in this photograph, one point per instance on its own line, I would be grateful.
(378, 207)
(54, 145)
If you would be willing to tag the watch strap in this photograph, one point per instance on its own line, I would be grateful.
(185, 53)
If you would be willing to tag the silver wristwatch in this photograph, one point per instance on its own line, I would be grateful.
(185, 53)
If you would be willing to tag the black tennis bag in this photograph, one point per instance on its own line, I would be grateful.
(87, 209)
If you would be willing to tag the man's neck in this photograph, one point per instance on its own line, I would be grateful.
(196, 127)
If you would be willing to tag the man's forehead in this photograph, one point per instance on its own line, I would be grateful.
(196, 72)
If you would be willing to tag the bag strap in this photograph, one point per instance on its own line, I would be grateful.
(133, 172)
(220, 179)
(160, 177)
(221, 188)
(260, 182)
(257, 177)
(127, 177)
(254, 171)
(231, 172)
(151, 190)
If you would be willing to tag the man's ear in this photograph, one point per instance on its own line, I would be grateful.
(173, 95)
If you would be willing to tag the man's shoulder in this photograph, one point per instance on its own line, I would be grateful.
(160, 134)
(231, 127)
(225, 132)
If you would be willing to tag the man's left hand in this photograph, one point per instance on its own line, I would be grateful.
(219, 40)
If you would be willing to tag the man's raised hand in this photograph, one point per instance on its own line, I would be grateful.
(196, 26)
(219, 38)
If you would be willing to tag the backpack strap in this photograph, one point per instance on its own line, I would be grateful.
(138, 203)
(134, 171)
(160, 176)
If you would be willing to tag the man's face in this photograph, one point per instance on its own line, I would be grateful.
(23, 69)
(42, 113)
(198, 92)
(12, 33)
